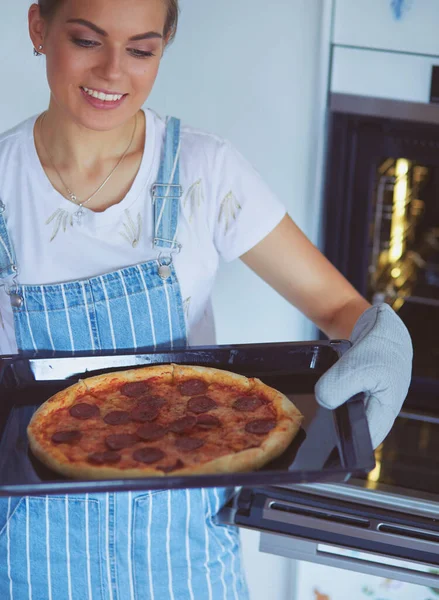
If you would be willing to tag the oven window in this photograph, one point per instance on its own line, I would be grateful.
(409, 456)
(404, 253)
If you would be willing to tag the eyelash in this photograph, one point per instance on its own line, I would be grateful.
(91, 44)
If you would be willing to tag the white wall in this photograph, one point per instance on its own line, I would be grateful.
(249, 71)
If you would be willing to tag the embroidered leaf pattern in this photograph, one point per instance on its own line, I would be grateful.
(230, 209)
(186, 307)
(195, 197)
(132, 231)
(61, 218)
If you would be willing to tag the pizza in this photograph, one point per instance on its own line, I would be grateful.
(162, 420)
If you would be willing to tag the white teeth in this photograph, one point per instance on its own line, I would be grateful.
(102, 96)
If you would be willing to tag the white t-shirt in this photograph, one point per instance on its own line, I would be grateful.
(226, 209)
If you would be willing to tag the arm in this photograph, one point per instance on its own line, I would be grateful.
(379, 361)
(295, 268)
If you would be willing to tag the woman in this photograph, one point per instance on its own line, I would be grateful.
(111, 227)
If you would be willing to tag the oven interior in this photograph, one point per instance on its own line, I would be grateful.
(381, 230)
(404, 253)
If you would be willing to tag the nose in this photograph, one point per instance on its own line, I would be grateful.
(111, 65)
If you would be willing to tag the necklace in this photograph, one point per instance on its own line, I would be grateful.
(78, 214)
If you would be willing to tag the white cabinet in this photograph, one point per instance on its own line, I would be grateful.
(382, 74)
(372, 24)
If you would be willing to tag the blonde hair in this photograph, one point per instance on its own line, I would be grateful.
(49, 7)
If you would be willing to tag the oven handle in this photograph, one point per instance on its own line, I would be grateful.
(330, 536)
(344, 558)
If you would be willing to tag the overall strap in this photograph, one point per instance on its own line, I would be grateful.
(7, 263)
(167, 190)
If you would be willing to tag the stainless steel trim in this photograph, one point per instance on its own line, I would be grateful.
(407, 531)
(372, 534)
(423, 417)
(383, 107)
(299, 549)
(322, 513)
(422, 504)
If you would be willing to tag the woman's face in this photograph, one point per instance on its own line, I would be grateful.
(95, 47)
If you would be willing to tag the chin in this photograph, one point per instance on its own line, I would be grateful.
(102, 120)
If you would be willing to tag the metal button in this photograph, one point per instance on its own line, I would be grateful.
(17, 300)
(164, 271)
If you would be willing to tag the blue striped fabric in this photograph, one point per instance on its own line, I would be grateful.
(6, 250)
(127, 309)
(115, 546)
(167, 190)
(125, 546)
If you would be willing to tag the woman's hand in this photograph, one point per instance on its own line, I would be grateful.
(379, 362)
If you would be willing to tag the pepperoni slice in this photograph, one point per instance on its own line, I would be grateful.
(84, 411)
(151, 431)
(187, 444)
(247, 403)
(66, 437)
(183, 424)
(117, 417)
(178, 465)
(201, 404)
(100, 458)
(208, 422)
(148, 455)
(135, 389)
(120, 440)
(260, 426)
(192, 387)
(141, 414)
(152, 402)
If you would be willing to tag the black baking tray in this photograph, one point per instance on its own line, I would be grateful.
(331, 445)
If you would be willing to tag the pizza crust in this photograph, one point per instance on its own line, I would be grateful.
(275, 442)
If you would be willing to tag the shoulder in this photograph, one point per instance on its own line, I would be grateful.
(197, 140)
(16, 134)
(12, 146)
(197, 145)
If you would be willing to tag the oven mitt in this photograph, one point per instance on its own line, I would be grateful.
(379, 363)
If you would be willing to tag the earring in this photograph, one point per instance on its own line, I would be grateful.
(37, 52)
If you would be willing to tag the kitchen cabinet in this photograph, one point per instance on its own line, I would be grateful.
(377, 74)
(373, 24)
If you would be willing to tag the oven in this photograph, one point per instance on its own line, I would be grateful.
(381, 230)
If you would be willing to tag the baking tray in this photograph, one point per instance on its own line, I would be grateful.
(331, 445)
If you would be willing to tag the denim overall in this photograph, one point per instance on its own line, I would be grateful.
(125, 545)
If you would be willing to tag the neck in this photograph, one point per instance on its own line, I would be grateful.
(70, 143)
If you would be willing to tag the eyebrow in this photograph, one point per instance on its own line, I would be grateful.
(141, 36)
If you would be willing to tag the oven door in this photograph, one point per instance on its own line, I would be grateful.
(386, 524)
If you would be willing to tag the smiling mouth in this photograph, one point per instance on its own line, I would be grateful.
(102, 96)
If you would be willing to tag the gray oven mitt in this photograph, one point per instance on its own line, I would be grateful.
(379, 363)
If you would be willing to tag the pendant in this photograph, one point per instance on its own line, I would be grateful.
(79, 214)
